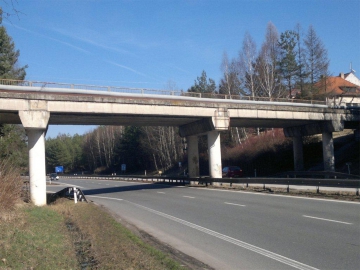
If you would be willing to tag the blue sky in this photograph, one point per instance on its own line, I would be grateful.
(147, 43)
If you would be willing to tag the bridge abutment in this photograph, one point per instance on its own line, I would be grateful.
(35, 124)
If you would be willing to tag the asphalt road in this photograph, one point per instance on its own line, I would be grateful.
(237, 230)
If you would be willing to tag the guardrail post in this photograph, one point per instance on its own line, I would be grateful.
(75, 195)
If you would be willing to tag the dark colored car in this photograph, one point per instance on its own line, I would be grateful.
(54, 176)
(232, 171)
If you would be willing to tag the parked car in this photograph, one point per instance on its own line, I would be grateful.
(54, 176)
(232, 171)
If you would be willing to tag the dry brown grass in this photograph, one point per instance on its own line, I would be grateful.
(103, 243)
(10, 186)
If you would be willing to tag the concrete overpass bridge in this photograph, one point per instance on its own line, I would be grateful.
(36, 105)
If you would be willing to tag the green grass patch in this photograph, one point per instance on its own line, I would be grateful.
(37, 238)
(65, 235)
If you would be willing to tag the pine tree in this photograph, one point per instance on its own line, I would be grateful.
(288, 66)
(202, 85)
(12, 137)
(9, 66)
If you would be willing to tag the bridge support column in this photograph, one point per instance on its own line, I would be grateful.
(35, 124)
(328, 151)
(193, 156)
(215, 167)
(36, 145)
(298, 153)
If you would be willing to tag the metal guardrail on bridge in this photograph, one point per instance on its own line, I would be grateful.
(142, 91)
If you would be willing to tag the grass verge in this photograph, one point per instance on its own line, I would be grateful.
(65, 235)
(36, 238)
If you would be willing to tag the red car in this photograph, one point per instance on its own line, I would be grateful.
(232, 171)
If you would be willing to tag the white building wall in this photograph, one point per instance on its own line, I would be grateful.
(353, 79)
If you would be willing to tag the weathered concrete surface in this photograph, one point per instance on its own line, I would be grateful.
(34, 119)
(193, 156)
(328, 151)
(37, 170)
(298, 153)
(126, 109)
(214, 147)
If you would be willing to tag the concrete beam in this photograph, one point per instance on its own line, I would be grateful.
(196, 128)
(220, 121)
(34, 119)
(316, 128)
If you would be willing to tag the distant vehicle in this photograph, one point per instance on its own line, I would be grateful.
(54, 176)
(232, 171)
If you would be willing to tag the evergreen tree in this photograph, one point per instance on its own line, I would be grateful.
(13, 144)
(288, 66)
(12, 137)
(9, 66)
(202, 85)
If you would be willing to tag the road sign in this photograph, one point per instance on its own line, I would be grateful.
(59, 169)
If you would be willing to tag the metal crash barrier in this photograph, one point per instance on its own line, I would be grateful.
(72, 192)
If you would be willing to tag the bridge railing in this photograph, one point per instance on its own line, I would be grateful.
(142, 91)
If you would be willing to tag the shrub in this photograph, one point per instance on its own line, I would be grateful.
(267, 153)
(10, 185)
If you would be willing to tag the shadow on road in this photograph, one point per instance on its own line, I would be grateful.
(129, 188)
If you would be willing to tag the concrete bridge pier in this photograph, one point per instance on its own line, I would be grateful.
(214, 147)
(328, 151)
(298, 153)
(36, 145)
(211, 126)
(35, 124)
(193, 156)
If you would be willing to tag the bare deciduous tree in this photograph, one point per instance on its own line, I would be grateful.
(247, 57)
(268, 78)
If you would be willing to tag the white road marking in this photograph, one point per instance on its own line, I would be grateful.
(235, 204)
(276, 195)
(104, 197)
(161, 192)
(264, 252)
(331, 220)
(189, 197)
(69, 185)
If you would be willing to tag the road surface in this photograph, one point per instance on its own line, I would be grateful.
(237, 230)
